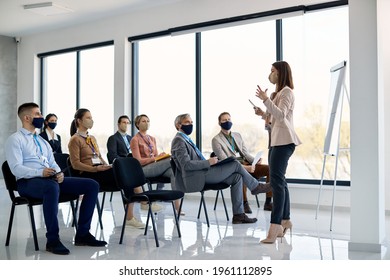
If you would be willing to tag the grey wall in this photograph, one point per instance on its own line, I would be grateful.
(8, 90)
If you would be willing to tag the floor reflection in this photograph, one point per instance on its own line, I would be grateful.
(310, 238)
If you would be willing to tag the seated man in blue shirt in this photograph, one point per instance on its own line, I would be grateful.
(31, 160)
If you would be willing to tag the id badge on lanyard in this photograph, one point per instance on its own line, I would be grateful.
(96, 159)
(44, 161)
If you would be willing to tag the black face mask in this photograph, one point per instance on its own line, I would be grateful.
(227, 125)
(187, 128)
(52, 125)
(38, 122)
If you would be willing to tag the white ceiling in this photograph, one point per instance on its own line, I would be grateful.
(15, 21)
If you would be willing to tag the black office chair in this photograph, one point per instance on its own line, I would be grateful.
(220, 191)
(223, 199)
(154, 180)
(157, 180)
(10, 183)
(110, 162)
(208, 187)
(129, 175)
(61, 159)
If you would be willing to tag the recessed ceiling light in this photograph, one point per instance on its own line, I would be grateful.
(47, 9)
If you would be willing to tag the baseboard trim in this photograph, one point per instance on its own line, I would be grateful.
(365, 247)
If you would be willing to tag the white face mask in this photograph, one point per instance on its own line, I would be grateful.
(273, 77)
(88, 123)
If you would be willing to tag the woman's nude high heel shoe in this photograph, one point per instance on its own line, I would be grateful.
(286, 224)
(275, 230)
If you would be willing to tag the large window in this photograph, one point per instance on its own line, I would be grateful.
(234, 61)
(312, 44)
(97, 91)
(60, 93)
(83, 79)
(166, 84)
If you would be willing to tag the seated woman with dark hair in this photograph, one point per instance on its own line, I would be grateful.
(49, 135)
(85, 158)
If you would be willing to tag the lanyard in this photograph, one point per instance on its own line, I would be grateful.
(232, 142)
(148, 143)
(188, 139)
(89, 142)
(42, 158)
(37, 143)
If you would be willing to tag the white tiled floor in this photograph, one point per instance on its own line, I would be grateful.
(311, 239)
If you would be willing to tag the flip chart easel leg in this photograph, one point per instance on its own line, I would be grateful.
(334, 191)
(320, 190)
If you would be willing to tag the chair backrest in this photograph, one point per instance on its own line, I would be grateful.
(9, 179)
(62, 161)
(72, 172)
(173, 166)
(128, 174)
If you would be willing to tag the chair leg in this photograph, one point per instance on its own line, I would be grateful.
(102, 206)
(123, 201)
(30, 208)
(176, 218)
(257, 200)
(224, 205)
(202, 202)
(150, 214)
(181, 204)
(98, 208)
(11, 219)
(123, 224)
(111, 196)
(216, 199)
(72, 206)
(75, 209)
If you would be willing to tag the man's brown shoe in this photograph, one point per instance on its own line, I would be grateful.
(243, 219)
(261, 188)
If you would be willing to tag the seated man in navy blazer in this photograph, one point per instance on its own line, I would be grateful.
(193, 171)
(118, 145)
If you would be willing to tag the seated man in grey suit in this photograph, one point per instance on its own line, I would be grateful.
(118, 145)
(228, 143)
(193, 170)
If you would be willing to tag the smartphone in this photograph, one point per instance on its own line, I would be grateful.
(252, 103)
(55, 174)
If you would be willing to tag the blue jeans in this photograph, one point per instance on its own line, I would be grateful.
(49, 190)
(278, 157)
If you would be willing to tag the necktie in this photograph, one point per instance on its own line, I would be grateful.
(126, 142)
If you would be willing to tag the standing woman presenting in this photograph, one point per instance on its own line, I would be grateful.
(283, 139)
